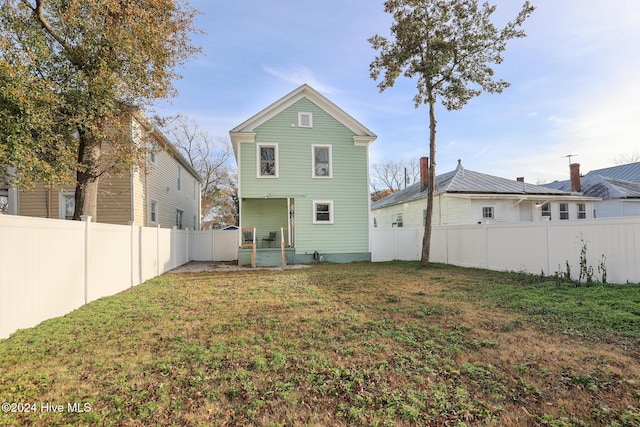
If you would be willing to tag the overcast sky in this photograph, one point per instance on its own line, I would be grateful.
(575, 82)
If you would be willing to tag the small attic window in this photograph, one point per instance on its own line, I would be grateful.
(305, 120)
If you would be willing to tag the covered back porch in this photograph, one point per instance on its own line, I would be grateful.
(267, 231)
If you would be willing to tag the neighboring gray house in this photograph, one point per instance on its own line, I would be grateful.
(466, 197)
(618, 187)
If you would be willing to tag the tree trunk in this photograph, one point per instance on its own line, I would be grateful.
(86, 196)
(426, 239)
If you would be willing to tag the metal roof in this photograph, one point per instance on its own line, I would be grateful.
(601, 186)
(628, 172)
(616, 182)
(466, 181)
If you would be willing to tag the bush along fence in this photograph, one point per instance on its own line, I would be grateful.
(50, 267)
(606, 250)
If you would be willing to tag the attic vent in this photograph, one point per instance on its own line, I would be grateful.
(305, 120)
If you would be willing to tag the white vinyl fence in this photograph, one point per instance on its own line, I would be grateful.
(532, 247)
(50, 267)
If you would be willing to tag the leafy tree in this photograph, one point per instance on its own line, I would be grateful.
(450, 46)
(211, 159)
(71, 73)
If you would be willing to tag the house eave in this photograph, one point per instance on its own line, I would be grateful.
(164, 142)
(239, 137)
(304, 91)
(503, 196)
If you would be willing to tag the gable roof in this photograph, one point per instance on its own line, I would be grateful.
(245, 131)
(465, 181)
(164, 142)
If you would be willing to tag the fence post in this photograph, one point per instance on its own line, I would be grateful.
(174, 247)
(446, 236)
(486, 246)
(546, 246)
(87, 222)
(157, 250)
(131, 264)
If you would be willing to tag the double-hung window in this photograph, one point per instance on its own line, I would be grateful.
(179, 215)
(322, 161)
(67, 202)
(154, 212)
(564, 210)
(546, 210)
(582, 211)
(267, 160)
(323, 212)
(396, 220)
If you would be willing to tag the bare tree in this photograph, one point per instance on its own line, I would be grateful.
(211, 159)
(389, 175)
(632, 157)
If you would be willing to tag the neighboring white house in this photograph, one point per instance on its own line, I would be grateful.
(466, 197)
(618, 187)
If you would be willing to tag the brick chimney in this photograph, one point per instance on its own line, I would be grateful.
(574, 169)
(424, 173)
(520, 179)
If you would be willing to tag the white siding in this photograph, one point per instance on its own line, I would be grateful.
(162, 187)
(452, 209)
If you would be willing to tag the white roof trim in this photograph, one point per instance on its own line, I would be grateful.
(304, 91)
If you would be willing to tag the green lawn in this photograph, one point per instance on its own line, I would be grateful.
(357, 344)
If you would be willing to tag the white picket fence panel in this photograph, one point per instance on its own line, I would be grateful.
(50, 267)
(532, 247)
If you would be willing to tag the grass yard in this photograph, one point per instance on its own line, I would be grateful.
(358, 344)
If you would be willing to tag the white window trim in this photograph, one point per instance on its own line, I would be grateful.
(583, 211)
(180, 215)
(276, 158)
(397, 218)
(302, 114)
(152, 154)
(61, 205)
(564, 212)
(323, 202)
(151, 212)
(493, 212)
(179, 178)
(313, 161)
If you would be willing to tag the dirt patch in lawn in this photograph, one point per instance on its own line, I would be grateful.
(225, 266)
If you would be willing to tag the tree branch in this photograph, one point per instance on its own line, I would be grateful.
(38, 12)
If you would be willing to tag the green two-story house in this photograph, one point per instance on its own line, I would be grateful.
(303, 182)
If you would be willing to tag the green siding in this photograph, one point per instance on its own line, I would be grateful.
(266, 215)
(348, 189)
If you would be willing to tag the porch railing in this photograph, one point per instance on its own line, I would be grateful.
(249, 241)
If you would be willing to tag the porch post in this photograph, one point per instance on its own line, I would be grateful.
(289, 220)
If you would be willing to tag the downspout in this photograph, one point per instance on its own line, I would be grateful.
(239, 162)
(47, 202)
